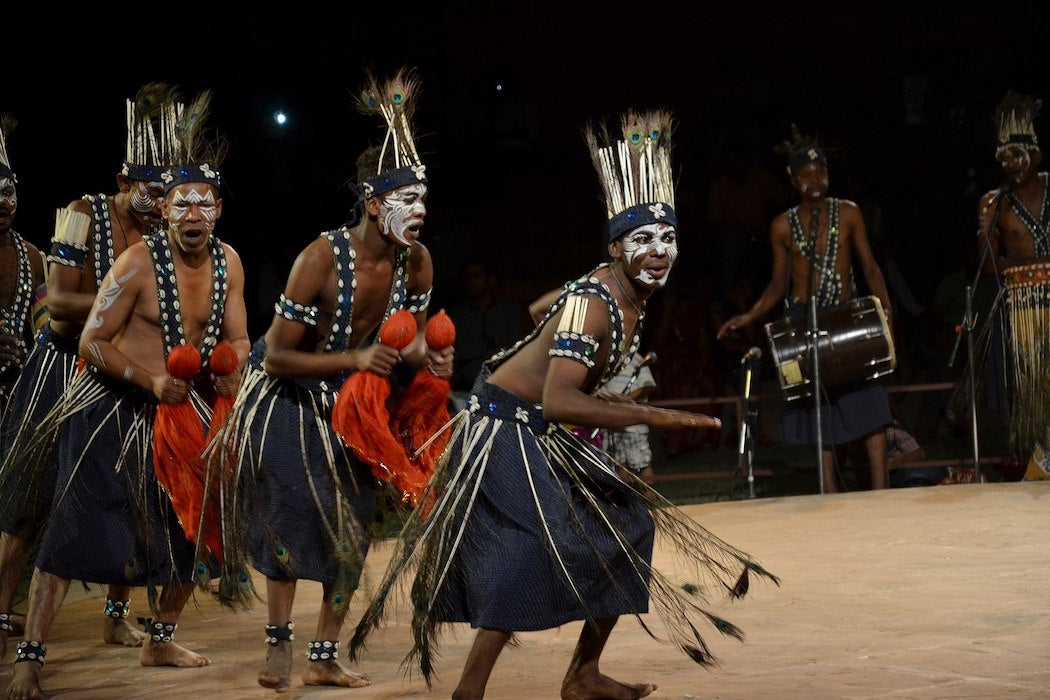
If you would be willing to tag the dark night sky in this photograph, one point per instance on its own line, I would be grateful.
(509, 171)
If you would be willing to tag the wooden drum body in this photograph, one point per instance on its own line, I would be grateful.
(855, 345)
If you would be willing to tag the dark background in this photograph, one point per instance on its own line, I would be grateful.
(903, 93)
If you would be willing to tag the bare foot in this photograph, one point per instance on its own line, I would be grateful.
(278, 671)
(598, 686)
(25, 682)
(117, 630)
(169, 654)
(332, 672)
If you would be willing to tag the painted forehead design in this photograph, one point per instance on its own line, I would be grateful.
(402, 193)
(194, 196)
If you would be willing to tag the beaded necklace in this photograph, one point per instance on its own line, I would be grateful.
(18, 311)
(344, 257)
(168, 295)
(1040, 226)
(830, 291)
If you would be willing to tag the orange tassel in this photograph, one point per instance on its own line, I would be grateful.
(178, 440)
(423, 411)
(360, 418)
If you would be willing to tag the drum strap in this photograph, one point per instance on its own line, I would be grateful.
(830, 290)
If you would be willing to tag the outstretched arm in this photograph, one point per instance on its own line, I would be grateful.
(564, 398)
(780, 240)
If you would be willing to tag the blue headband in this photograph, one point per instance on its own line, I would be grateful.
(393, 179)
(141, 173)
(189, 172)
(810, 155)
(641, 215)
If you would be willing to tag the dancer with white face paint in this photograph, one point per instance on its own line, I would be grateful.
(529, 527)
(1013, 227)
(90, 232)
(112, 520)
(307, 499)
(815, 246)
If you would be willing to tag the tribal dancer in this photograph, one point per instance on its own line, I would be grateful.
(21, 288)
(528, 527)
(308, 500)
(1014, 222)
(112, 521)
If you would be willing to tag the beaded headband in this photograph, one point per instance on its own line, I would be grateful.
(399, 163)
(150, 120)
(1015, 117)
(635, 171)
(802, 150)
(195, 157)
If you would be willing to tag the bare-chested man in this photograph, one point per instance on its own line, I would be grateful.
(111, 521)
(530, 527)
(309, 499)
(825, 236)
(90, 233)
(21, 275)
(1014, 227)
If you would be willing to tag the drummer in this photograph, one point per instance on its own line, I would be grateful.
(815, 244)
(1014, 221)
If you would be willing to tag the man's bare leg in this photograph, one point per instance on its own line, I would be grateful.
(583, 680)
(876, 446)
(278, 671)
(46, 593)
(117, 630)
(480, 661)
(159, 649)
(328, 671)
(14, 556)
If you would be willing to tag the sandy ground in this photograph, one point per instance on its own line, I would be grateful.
(936, 592)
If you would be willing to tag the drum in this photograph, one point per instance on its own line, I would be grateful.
(1028, 304)
(855, 345)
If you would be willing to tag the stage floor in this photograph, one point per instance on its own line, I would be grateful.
(938, 592)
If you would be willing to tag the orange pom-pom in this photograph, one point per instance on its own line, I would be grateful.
(440, 331)
(398, 330)
(223, 359)
(184, 361)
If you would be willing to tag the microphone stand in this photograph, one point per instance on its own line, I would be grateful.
(969, 322)
(746, 450)
(814, 339)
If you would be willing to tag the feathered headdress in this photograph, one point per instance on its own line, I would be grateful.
(635, 171)
(195, 155)
(1015, 117)
(151, 118)
(399, 163)
(7, 123)
(802, 149)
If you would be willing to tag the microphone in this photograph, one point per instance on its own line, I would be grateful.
(753, 354)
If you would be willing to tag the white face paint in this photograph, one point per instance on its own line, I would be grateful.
(8, 193)
(182, 225)
(144, 196)
(402, 210)
(651, 250)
